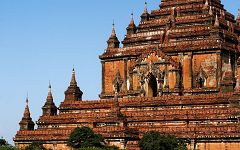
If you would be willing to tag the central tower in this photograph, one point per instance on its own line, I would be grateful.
(183, 48)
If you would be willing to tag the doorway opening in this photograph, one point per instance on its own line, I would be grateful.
(152, 87)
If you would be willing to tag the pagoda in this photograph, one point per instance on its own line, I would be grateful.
(177, 73)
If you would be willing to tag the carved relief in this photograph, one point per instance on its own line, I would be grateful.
(206, 72)
(201, 79)
(117, 82)
(154, 74)
(209, 66)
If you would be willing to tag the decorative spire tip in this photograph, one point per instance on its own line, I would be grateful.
(132, 20)
(210, 11)
(145, 7)
(216, 24)
(27, 99)
(113, 29)
(229, 58)
(73, 80)
(49, 88)
(206, 3)
(49, 84)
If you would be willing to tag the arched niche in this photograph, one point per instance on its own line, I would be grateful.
(151, 86)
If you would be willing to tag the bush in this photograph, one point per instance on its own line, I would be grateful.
(7, 147)
(84, 137)
(155, 141)
(3, 142)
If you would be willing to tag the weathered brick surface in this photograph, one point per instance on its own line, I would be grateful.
(178, 73)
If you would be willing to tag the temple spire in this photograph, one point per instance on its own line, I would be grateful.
(113, 34)
(229, 58)
(229, 63)
(228, 80)
(73, 92)
(206, 5)
(73, 80)
(238, 17)
(145, 7)
(49, 107)
(132, 20)
(131, 29)
(210, 11)
(238, 13)
(145, 15)
(216, 24)
(26, 123)
(113, 41)
(237, 84)
(49, 97)
(26, 111)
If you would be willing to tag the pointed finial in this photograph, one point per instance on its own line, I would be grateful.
(131, 29)
(216, 24)
(145, 7)
(229, 58)
(205, 5)
(26, 123)
(113, 30)
(49, 96)
(238, 17)
(49, 88)
(49, 84)
(223, 13)
(73, 80)
(237, 83)
(27, 101)
(229, 66)
(132, 20)
(26, 113)
(210, 11)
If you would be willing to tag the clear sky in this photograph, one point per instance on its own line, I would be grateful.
(41, 40)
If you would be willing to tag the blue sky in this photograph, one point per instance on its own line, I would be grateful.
(41, 40)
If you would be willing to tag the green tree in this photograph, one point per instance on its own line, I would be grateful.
(35, 146)
(3, 142)
(155, 141)
(8, 147)
(5, 146)
(84, 137)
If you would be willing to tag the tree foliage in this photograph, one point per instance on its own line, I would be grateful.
(155, 141)
(35, 146)
(84, 137)
(3, 142)
(8, 147)
(5, 146)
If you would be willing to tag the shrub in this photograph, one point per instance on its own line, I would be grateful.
(155, 141)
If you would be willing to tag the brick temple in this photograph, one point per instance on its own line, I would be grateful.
(178, 73)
